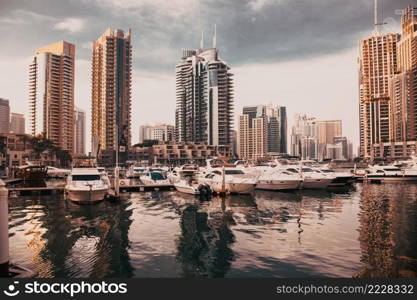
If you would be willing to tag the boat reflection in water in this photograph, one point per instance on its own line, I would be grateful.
(365, 231)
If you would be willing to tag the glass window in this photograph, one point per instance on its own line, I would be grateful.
(86, 177)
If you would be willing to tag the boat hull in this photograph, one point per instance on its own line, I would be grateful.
(278, 185)
(392, 178)
(86, 196)
(312, 183)
(187, 189)
(233, 188)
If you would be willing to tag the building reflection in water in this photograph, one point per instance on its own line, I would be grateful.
(70, 240)
(388, 230)
(204, 246)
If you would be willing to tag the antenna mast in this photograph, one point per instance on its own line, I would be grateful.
(215, 36)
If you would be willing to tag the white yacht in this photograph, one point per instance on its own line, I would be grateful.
(53, 172)
(135, 172)
(278, 180)
(228, 180)
(154, 178)
(390, 173)
(311, 179)
(86, 185)
(340, 178)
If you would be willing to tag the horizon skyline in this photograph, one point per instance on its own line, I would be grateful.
(149, 82)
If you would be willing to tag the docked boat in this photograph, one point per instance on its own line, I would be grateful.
(135, 172)
(311, 179)
(31, 172)
(155, 178)
(340, 178)
(87, 185)
(278, 180)
(390, 173)
(53, 172)
(228, 180)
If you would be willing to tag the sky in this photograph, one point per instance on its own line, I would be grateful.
(298, 53)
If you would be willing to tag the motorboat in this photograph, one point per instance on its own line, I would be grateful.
(340, 178)
(31, 172)
(390, 173)
(312, 179)
(135, 172)
(154, 178)
(228, 180)
(185, 180)
(87, 185)
(53, 172)
(278, 180)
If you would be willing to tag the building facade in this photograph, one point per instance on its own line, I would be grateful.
(377, 66)
(204, 98)
(162, 132)
(17, 123)
(111, 91)
(79, 131)
(326, 131)
(144, 133)
(51, 94)
(4, 116)
(262, 131)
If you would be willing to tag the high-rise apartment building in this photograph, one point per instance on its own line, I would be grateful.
(144, 133)
(51, 94)
(403, 92)
(204, 98)
(17, 123)
(111, 90)
(162, 132)
(377, 65)
(326, 131)
(79, 131)
(303, 137)
(4, 116)
(258, 142)
(283, 131)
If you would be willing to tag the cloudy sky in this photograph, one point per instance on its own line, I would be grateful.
(298, 53)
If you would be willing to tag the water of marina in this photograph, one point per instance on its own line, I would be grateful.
(366, 231)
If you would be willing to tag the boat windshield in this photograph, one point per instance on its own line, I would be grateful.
(139, 170)
(234, 172)
(327, 171)
(307, 170)
(392, 169)
(85, 177)
(157, 176)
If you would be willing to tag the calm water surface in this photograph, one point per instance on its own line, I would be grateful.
(366, 231)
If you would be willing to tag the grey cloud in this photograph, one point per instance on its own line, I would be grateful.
(275, 31)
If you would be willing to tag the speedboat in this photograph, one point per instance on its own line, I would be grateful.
(86, 185)
(154, 178)
(228, 180)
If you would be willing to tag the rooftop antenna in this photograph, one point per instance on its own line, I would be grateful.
(215, 36)
(376, 24)
(202, 40)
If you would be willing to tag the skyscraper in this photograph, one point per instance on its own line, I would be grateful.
(17, 123)
(144, 133)
(262, 131)
(377, 65)
(204, 98)
(326, 131)
(111, 90)
(51, 93)
(283, 131)
(403, 90)
(304, 142)
(4, 116)
(79, 131)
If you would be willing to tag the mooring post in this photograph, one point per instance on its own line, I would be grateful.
(4, 230)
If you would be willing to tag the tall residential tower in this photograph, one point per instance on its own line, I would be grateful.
(111, 90)
(51, 93)
(204, 108)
